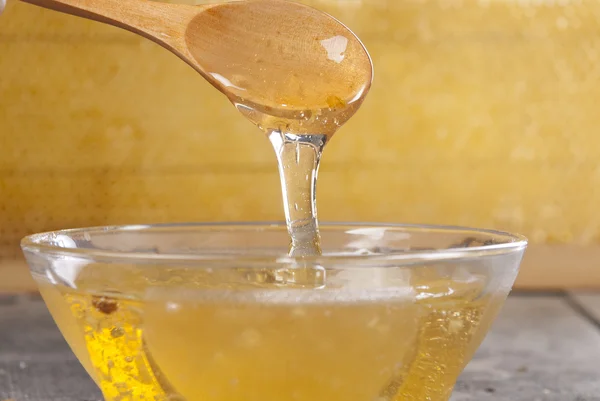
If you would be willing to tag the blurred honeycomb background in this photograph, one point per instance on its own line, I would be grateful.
(483, 113)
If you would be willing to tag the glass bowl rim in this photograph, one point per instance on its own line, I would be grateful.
(39, 244)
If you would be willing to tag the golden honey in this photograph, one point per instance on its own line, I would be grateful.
(183, 339)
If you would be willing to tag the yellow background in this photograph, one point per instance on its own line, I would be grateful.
(483, 113)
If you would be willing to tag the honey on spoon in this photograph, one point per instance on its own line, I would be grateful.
(294, 71)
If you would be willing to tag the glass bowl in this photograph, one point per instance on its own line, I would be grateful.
(219, 312)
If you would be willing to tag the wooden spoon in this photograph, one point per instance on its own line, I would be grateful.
(276, 60)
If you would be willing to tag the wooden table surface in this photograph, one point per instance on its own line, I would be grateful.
(543, 347)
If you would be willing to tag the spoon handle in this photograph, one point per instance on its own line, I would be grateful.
(160, 22)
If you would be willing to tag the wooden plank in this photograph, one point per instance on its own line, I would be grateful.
(589, 302)
(560, 267)
(539, 349)
(15, 277)
(35, 362)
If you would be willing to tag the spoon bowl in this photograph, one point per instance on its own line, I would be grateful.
(277, 61)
